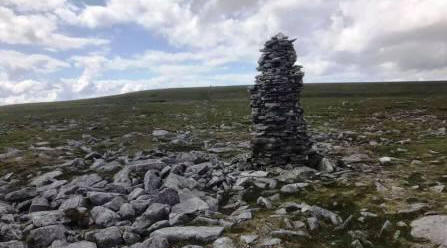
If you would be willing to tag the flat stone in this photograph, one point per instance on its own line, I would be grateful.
(100, 198)
(5, 208)
(47, 218)
(223, 242)
(12, 244)
(106, 238)
(45, 178)
(73, 202)
(432, 228)
(21, 194)
(293, 188)
(249, 239)
(81, 244)
(42, 237)
(189, 233)
(39, 204)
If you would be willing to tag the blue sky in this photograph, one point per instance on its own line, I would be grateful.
(69, 49)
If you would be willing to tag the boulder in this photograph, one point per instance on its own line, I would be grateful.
(104, 217)
(39, 204)
(152, 181)
(42, 237)
(223, 242)
(432, 228)
(106, 238)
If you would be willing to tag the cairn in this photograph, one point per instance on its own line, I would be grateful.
(279, 136)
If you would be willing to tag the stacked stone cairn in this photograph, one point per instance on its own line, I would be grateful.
(279, 136)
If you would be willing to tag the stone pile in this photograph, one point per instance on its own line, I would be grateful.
(279, 128)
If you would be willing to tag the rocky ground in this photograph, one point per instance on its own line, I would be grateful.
(381, 184)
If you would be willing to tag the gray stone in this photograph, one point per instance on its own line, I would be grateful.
(140, 167)
(264, 202)
(104, 217)
(45, 178)
(178, 182)
(135, 194)
(319, 212)
(100, 198)
(326, 165)
(115, 203)
(249, 239)
(155, 212)
(122, 177)
(39, 204)
(5, 208)
(42, 237)
(21, 194)
(73, 202)
(290, 234)
(10, 232)
(167, 196)
(223, 242)
(293, 188)
(269, 242)
(47, 218)
(105, 238)
(189, 233)
(432, 228)
(12, 244)
(152, 181)
(296, 174)
(127, 211)
(81, 244)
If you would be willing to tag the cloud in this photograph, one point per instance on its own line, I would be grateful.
(16, 63)
(39, 29)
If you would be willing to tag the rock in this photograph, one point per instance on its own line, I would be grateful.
(80, 244)
(115, 203)
(130, 237)
(135, 194)
(249, 239)
(293, 188)
(73, 202)
(192, 205)
(324, 213)
(140, 167)
(100, 198)
(10, 232)
(178, 182)
(104, 217)
(223, 242)
(414, 208)
(313, 223)
(160, 133)
(167, 196)
(296, 174)
(189, 233)
(264, 202)
(39, 204)
(432, 228)
(155, 242)
(269, 242)
(122, 177)
(356, 158)
(385, 160)
(152, 181)
(127, 211)
(158, 225)
(21, 194)
(385, 228)
(45, 178)
(155, 212)
(5, 208)
(106, 238)
(326, 165)
(42, 237)
(437, 188)
(12, 244)
(47, 218)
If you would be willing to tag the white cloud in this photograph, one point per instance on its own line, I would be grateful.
(15, 63)
(38, 29)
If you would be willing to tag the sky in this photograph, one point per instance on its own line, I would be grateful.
(52, 50)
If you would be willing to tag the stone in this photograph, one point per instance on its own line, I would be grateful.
(122, 177)
(12, 244)
(249, 239)
(104, 217)
(319, 212)
(42, 237)
(105, 238)
(269, 242)
(189, 233)
(152, 181)
(80, 244)
(45, 178)
(167, 196)
(47, 218)
(10, 232)
(73, 202)
(5, 208)
(155, 212)
(326, 165)
(223, 242)
(21, 194)
(135, 194)
(39, 204)
(115, 203)
(385, 160)
(127, 211)
(100, 198)
(293, 188)
(432, 228)
(280, 137)
(264, 202)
